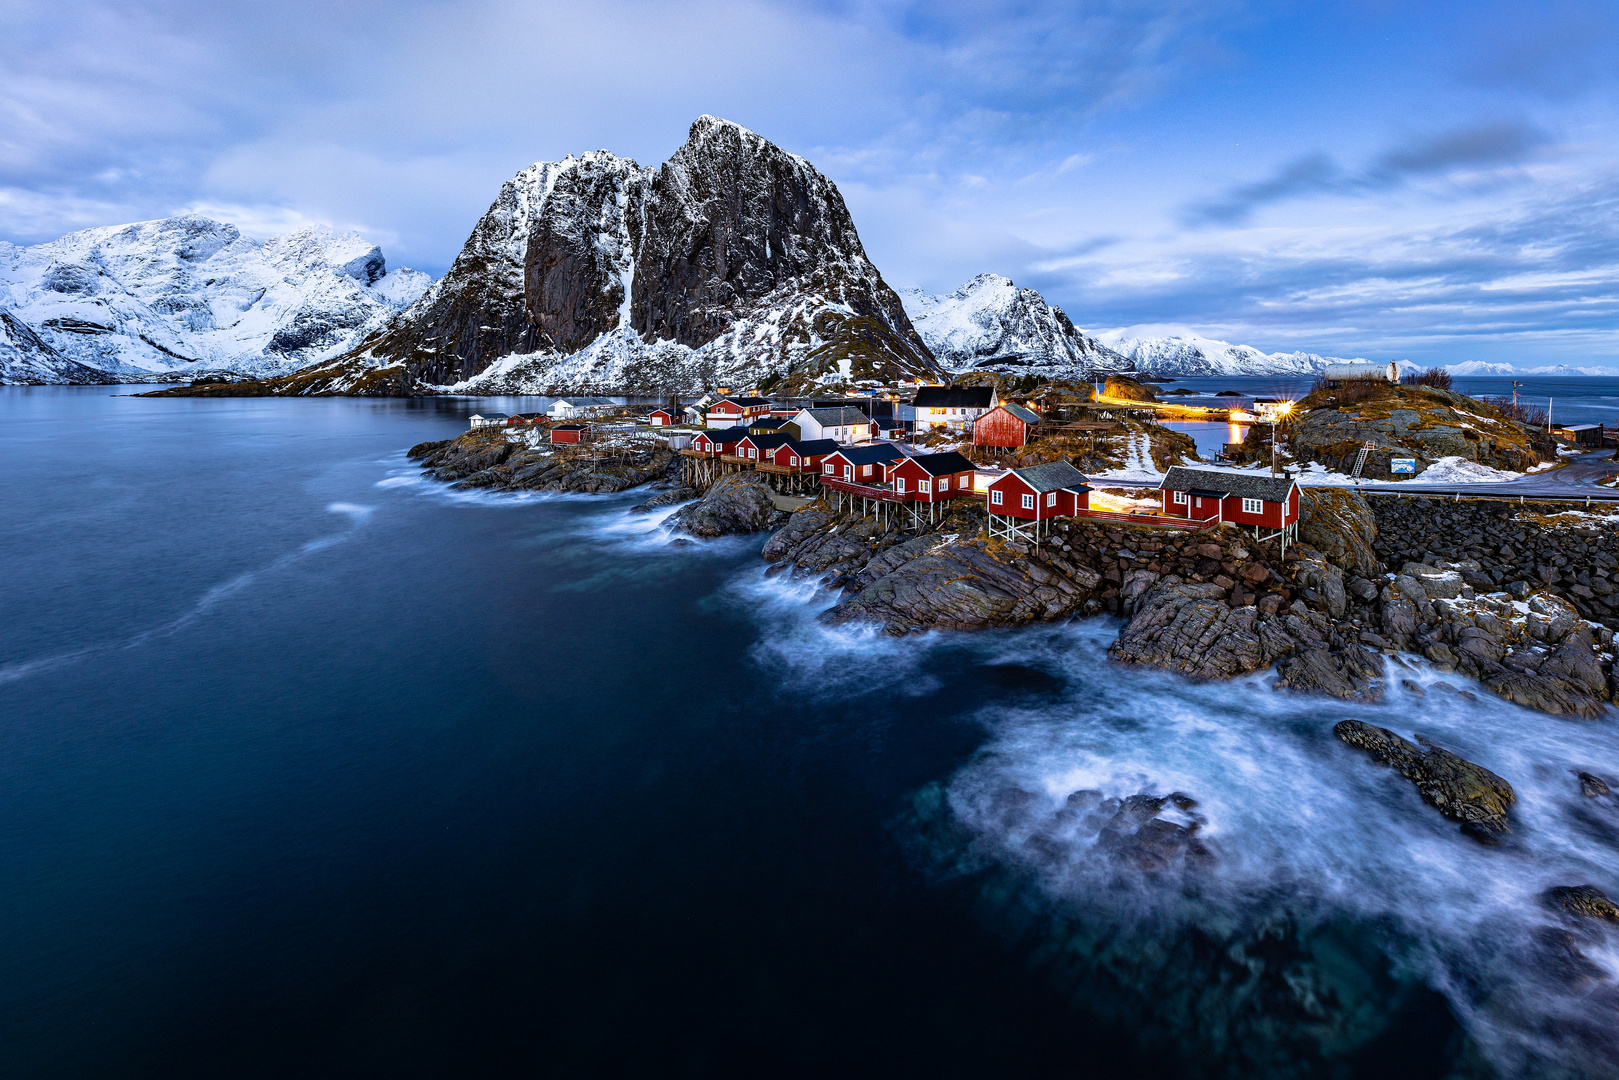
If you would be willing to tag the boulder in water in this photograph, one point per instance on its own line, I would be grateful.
(739, 503)
(1586, 901)
(1461, 790)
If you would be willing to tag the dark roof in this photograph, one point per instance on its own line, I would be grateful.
(492, 415)
(743, 401)
(570, 427)
(769, 423)
(1211, 482)
(1028, 416)
(1053, 476)
(768, 442)
(843, 417)
(730, 434)
(812, 447)
(944, 464)
(954, 397)
(871, 453)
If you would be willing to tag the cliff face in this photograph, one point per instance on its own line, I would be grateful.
(734, 261)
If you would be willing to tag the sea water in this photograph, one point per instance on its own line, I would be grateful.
(310, 765)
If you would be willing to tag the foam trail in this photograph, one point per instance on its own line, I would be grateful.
(1327, 870)
(211, 598)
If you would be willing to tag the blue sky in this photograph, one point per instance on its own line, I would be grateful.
(1430, 181)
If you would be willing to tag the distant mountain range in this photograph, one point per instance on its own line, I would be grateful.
(734, 262)
(185, 295)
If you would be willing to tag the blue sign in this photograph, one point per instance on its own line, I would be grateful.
(1403, 465)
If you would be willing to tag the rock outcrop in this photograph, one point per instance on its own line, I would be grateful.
(738, 503)
(1458, 789)
(1585, 901)
(1340, 525)
(488, 459)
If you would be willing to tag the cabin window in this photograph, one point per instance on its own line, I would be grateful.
(944, 483)
(925, 486)
(1051, 498)
(827, 468)
(995, 497)
(1253, 506)
(899, 484)
(1028, 502)
(1180, 498)
(1198, 502)
(791, 460)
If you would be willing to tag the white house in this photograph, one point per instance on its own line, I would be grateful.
(845, 425)
(493, 419)
(575, 407)
(951, 406)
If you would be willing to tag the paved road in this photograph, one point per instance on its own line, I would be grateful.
(1576, 480)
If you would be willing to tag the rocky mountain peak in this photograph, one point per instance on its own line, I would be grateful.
(733, 260)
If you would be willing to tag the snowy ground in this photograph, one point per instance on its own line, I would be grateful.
(1138, 469)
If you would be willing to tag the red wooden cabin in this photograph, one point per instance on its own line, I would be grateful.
(758, 447)
(1257, 502)
(738, 410)
(568, 433)
(1005, 426)
(805, 457)
(932, 477)
(715, 443)
(860, 464)
(1036, 494)
(661, 418)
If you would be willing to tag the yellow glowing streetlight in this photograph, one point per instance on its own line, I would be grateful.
(1278, 414)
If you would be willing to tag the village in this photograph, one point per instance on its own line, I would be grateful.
(905, 462)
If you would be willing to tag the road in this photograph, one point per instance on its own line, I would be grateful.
(1575, 480)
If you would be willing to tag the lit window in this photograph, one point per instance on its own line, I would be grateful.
(1253, 506)
(944, 483)
(995, 497)
(1180, 498)
(1028, 502)
(926, 486)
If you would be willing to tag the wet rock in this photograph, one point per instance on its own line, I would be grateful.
(1354, 673)
(738, 503)
(1459, 789)
(667, 498)
(1186, 627)
(1592, 786)
(1586, 901)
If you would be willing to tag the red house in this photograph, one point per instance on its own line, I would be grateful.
(758, 447)
(860, 464)
(1034, 495)
(715, 443)
(568, 433)
(661, 418)
(931, 478)
(1258, 502)
(737, 410)
(1005, 426)
(804, 457)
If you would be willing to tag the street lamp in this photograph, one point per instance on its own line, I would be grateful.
(1283, 410)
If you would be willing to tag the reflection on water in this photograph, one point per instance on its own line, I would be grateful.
(1209, 435)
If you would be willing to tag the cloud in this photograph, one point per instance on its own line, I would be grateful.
(1494, 143)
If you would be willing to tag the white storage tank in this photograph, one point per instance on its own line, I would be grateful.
(1389, 372)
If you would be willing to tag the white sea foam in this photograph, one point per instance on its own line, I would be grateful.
(1300, 824)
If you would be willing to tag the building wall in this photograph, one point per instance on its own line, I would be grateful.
(999, 428)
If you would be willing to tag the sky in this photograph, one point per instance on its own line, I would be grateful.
(1395, 180)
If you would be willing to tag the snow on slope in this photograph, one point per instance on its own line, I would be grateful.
(187, 293)
(1192, 355)
(989, 324)
(1480, 367)
(25, 358)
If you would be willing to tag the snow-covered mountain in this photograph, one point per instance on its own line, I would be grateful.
(1481, 367)
(989, 324)
(188, 294)
(734, 262)
(1191, 355)
(26, 358)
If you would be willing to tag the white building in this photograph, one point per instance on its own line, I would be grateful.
(951, 406)
(575, 407)
(845, 425)
(494, 419)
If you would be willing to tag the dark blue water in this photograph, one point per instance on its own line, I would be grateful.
(309, 767)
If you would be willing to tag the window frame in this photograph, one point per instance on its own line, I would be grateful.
(995, 496)
(1028, 501)
(1181, 498)
(1257, 508)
